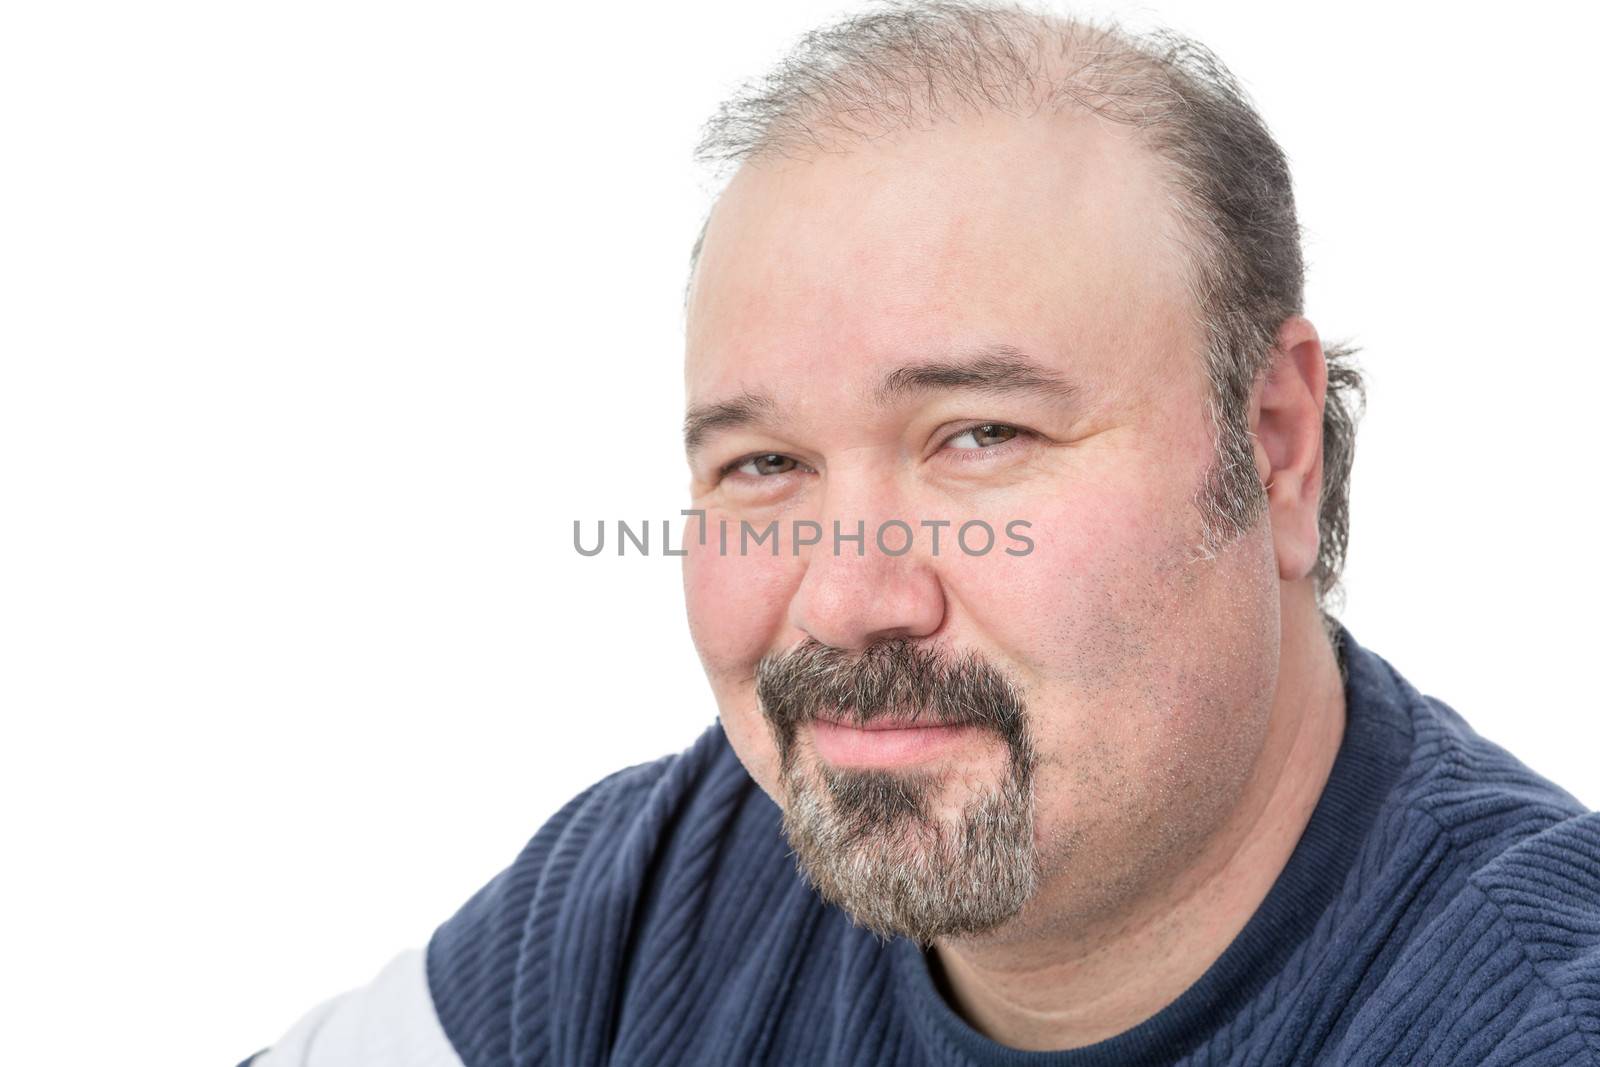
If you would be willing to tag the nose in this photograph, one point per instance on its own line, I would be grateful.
(855, 594)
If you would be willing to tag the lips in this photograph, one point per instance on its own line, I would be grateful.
(886, 742)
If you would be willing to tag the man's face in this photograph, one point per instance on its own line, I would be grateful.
(989, 322)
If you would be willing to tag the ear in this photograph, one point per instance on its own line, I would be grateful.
(1286, 424)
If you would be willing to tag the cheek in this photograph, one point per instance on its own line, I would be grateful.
(1079, 613)
(1149, 669)
(737, 604)
(737, 608)
(1118, 576)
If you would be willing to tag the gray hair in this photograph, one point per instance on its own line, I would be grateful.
(907, 63)
(873, 841)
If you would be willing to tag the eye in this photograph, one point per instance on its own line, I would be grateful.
(984, 435)
(764, 464)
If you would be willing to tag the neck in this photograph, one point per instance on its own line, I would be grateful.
(1066, 989)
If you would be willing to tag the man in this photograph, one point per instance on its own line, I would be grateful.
(1119, 789)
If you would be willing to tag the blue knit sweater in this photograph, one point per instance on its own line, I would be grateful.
(1442, 907)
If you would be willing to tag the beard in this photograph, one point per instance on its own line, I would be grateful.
(876, 842)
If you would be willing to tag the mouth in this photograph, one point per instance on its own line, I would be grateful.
(888, 742)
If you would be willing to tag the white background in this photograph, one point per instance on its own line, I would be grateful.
(321, 322)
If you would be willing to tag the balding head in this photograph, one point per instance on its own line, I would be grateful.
(909, 66)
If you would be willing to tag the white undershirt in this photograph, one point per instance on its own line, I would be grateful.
(390, 1022)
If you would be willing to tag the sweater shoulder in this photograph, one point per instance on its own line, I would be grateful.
(1482, 798)
(586, 866)
(1492, 945)
(1545, 891)
(1506, 973)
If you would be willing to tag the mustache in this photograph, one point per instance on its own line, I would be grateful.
(895, 679)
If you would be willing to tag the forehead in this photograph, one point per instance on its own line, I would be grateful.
(1056, 234)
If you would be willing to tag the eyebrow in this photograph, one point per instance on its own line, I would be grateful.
(1001, 369)
(704, 420)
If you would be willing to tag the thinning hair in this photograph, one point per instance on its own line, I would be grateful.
(908, 64)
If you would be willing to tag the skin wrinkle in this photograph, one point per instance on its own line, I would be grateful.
(1160, 674)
